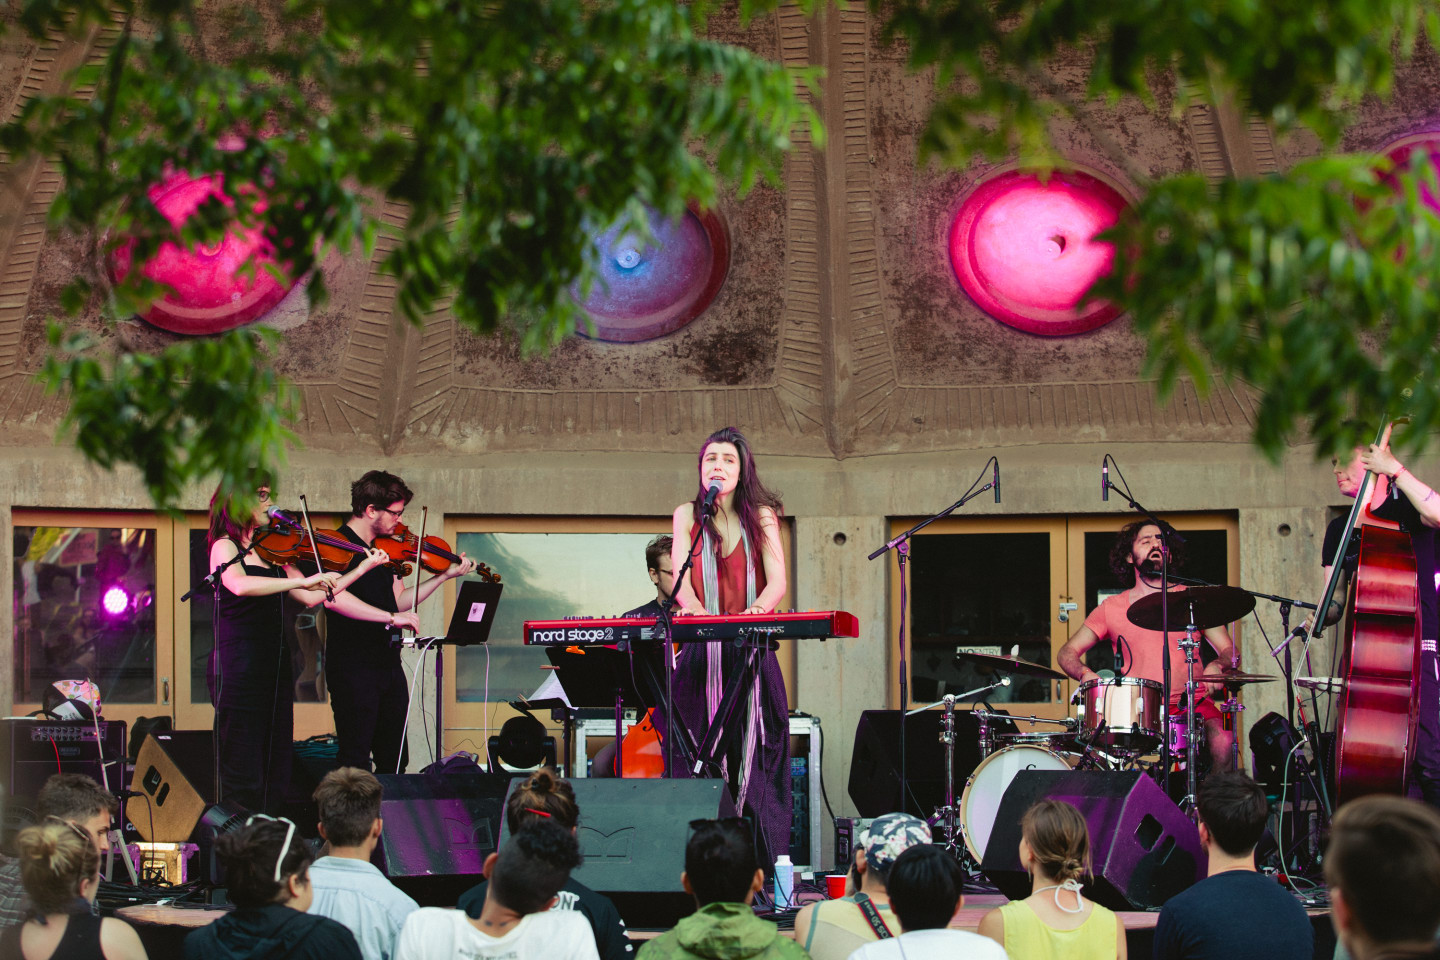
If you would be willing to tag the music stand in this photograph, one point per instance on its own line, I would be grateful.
(470, 623)
(599, 677)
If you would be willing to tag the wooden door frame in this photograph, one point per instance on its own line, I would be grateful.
(1053, 526)
(164, 600)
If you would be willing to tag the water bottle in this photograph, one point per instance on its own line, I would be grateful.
(784, 882)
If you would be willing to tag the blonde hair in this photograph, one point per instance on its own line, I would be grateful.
(54, 858)
(1059, 838)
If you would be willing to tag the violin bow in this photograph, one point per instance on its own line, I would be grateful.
(314, 544)
(419, 562)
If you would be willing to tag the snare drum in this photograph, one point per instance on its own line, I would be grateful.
(1123, 712)
(980, 802)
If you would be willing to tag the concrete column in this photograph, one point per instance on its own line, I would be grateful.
(1280, 554)
(839, 679)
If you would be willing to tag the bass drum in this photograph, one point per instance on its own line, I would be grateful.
(981, 800)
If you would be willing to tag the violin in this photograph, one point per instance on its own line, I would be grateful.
(433, 554)
(283, 544)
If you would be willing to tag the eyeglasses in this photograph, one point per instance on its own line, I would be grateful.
(262, 495)
(397, 514)
(284, 847)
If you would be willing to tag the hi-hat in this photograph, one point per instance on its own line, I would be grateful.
(1205, 607)
(1024, 668)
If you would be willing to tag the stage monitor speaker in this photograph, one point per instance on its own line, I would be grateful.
(439, 828)
(875, 761)
(171, 773)
(633, 835)
(33, 750)
(1143, 849)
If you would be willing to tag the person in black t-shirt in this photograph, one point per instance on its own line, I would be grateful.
(657, 565)
(1235, 913)
(545, 796)
(1401, 497)
(363, 672)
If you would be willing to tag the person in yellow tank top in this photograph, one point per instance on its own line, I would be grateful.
(1055, 922)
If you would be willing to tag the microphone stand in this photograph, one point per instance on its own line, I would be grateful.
(1167, 534)
(664, 628)
(901, 545)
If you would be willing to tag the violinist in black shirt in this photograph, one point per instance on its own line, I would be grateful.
(367, 683)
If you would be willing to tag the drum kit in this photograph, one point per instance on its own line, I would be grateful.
(1120, 721)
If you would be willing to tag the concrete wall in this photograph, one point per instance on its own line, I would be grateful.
(841, 344)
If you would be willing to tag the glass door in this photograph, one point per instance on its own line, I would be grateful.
(94, 600)
(989, 587)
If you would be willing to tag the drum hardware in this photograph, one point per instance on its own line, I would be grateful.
(947, 813)
(1321, 684)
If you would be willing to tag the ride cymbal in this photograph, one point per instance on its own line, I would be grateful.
(1205, 607)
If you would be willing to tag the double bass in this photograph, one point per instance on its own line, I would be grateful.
(1378, 708)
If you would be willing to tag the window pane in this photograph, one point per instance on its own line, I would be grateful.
(307, 659)
(982, 593)
(85, 607)
(546, 576)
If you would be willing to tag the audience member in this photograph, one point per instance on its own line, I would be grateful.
(267, 878)
(1055, 921)
(1383, 869)
(1235, 913)
(348, 887)
(74, 798)
(516, 921)
(723, 877)
(834, 929)
(925, 892)
(60, 870)
(545, 796)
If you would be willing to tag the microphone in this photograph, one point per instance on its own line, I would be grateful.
(708, 507)
(1120, 654)
(1294, 635)
(1105, 480)
(282, 517)
(996, 481)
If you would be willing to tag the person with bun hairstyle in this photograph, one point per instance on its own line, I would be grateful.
(546, 797)
(60, 868)
(1055, 921)
(739, 567)
(267, 877)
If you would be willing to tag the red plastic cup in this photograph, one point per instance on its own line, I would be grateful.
(835, 885)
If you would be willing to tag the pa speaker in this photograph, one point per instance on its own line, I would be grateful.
(172, 771)
(875, 762)
(438, 830)
(1143, 849)
(632, 835)
(31, 751)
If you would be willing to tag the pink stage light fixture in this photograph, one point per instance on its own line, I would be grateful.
(646, 290)
(210, 292)
(1023, 248)
(115, 601)
(1405, 150)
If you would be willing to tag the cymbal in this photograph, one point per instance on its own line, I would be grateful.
(1011, 665)
(1238, 679)
(1213, 606)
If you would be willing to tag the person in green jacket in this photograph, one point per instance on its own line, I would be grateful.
(723, 877)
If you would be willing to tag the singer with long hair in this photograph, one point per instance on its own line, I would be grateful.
(739, 567)
(250, 676)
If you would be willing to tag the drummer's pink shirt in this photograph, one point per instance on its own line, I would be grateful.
(1142, 646)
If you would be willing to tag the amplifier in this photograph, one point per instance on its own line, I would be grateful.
(32, 750)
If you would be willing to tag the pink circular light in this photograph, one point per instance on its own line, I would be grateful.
(115, 601)
(1024, 249)
(1400, 154)
(210, 292)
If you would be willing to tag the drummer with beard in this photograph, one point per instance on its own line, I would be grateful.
(1137, 556)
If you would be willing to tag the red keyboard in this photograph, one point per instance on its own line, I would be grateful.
(578, 631)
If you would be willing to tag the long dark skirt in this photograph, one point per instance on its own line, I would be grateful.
(767, 799)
